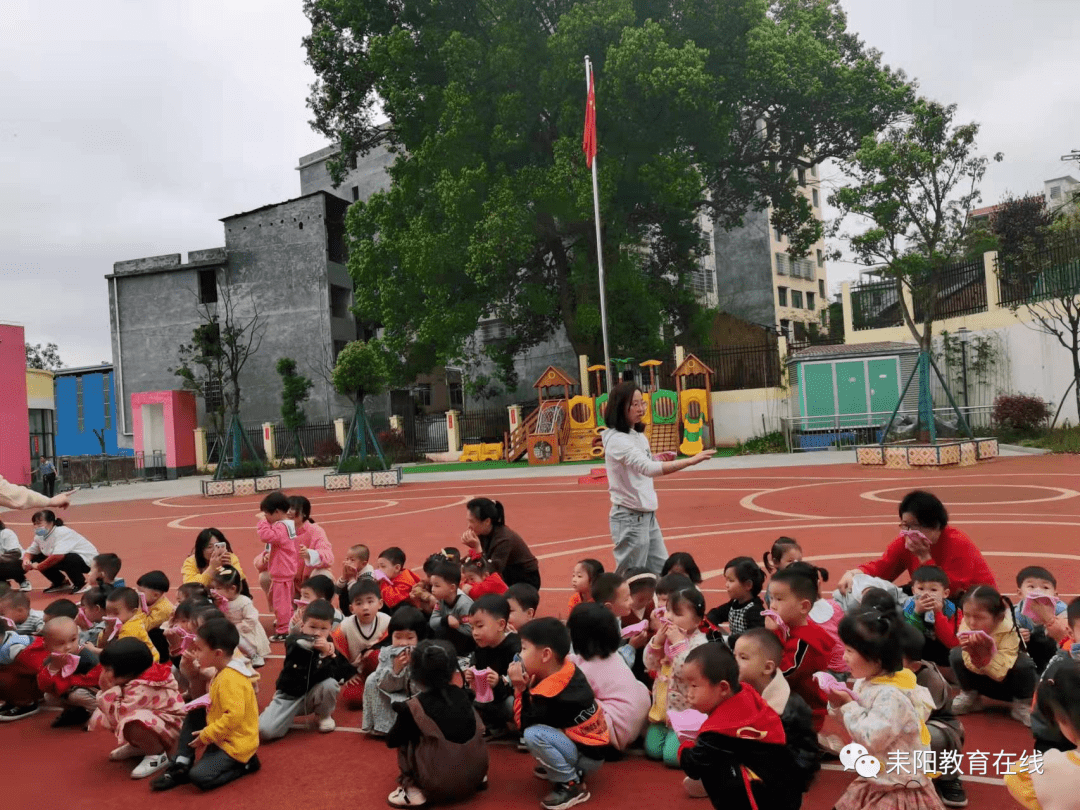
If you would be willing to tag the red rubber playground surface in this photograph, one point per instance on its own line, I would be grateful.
(1019, 510)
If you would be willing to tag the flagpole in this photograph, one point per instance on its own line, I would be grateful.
(599, 244)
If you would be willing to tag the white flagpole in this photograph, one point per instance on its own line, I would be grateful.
(599, 244)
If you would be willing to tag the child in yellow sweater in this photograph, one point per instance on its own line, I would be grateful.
(122, 605)
(227, 729)
(153, 585)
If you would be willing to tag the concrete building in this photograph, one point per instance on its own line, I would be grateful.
(286, 261)
(41, 410)
(14, 422)
(758, 281)
(86, 421)
(1061, 193)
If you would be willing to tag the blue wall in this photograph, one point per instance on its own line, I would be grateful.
(70, 441)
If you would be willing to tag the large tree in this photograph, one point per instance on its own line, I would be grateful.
(47, 358)
(704, 107)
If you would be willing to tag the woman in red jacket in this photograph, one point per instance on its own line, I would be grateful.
(926, 538)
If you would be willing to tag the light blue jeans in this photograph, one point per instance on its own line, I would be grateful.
(638, 540)
(557, 753)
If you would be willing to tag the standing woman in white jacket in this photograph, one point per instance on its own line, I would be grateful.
(631, 468)
(57, 551)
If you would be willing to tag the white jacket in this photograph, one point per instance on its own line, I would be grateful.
(62, 540)
(630, 470)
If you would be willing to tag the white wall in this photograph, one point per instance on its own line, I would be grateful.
(741, 415)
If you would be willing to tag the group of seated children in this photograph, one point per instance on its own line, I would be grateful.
(446, 659)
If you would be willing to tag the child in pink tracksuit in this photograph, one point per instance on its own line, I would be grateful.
(281, 560)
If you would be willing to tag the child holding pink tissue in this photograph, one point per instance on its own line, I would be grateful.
(316, 555)
(495, 649)
(70, 674)
(153, 585)
(122, 605)
(989, 661)
(91, 617)
(241, 611)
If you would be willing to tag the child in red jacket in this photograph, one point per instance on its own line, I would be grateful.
(478, 578)
(395, 580)
(71, 673)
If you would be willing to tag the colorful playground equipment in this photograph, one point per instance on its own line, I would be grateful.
(481, 452)
(567, 426)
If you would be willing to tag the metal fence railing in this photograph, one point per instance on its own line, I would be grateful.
(314, 439)
(961, 290)
(741, 367)
(488, 425)
(875, 305)
(1050, 272)
(89, 471)
(808, 433)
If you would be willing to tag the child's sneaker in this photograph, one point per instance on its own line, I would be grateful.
(125, 751)
(175, 776)
(951, 792)
(966, 702)
(540, 772)
(326, 725)
(13, 713)
(25, 586)
(407, 797)
(150, 765)
(279, 638)
(1021, 710)
(257, 662)
(566, 794)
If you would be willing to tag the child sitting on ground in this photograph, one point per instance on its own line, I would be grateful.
(308, 683)
(933, 614)
(611, 591)
(442, 756)
(758, 653)
(562, 724)
(946, 731)
(317, 587)
(1053, 784)
(420, 595)
(357, 564)
(279, 559)
(450, 618)
(642, 602)
(826, 613)
(678, 634)
(71, 673)
(989, 660)
(181, 636)
(140, 703)
(227, 728)
(153, 585)
(391, 681)
(15, 607)
(625, 700)
(1046, 627)
(91, 617)
(682, 563)
(395, 580)
(360, 637)
(21, 659)
(886, 715)
(479, 578)
(495, 651)
(1047, 735)
(524, 600)
(241, 611)
(807, 646)
(581, 581)
(104, 570)
(738, 756)
(743, 580)
(122, 611)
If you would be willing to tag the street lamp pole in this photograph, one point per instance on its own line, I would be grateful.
(964, 334)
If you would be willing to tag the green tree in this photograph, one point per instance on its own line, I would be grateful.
(703, 108)
(295, 390)
(913, 187)
(47, 358)
(201, 369)
(361, 370)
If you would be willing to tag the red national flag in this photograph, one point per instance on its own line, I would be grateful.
(588, 142)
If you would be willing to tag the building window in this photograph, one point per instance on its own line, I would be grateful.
(457, 395)
(810, 300)
(340, 299)
(802, 177)
(779, 236)
(107, 399)
(821, 288)
(800, 331)
(422, 392)
(796, 299)
(494, 330)
(355, 193)
(820, 257)
(1055, 192)
(785, 327)
(339, 347)
(208, 286)
(813, 171)
(781, 264)
(781, 296)
(817, 201)
(79, 402)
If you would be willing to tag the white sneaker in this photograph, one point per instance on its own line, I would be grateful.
(25, 586)
(125, 751)
(1021, 710)
(83, 589)
(407, 797)
(966, 702)
(257, 661)
(150, 765)
(326, 725)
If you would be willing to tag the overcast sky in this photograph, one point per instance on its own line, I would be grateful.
(130, 128)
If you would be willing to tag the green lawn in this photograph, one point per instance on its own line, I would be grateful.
(505, 465)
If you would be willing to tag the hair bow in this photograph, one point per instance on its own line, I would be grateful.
(63, 665)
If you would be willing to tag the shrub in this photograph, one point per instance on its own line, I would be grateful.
(327, 452)
(369, 464)
(769, 443)
(1020, 412)
(245, 469)
(396, 447)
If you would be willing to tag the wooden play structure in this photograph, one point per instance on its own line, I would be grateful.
(567, 426)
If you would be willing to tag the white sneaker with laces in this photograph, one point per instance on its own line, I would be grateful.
(25, 586)
(407, 797)
(150, 765)
(1021, 710)
(125, 751)
(326, 725)
(966, 702)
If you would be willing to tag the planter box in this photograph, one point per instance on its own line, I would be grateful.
(963, 453)
(359, 481)
(240, 486)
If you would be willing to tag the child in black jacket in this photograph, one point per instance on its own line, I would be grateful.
(310, 679)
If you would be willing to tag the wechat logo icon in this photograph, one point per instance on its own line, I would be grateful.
(855, 757)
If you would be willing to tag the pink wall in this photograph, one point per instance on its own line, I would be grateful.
(14, 417)
(181, 419)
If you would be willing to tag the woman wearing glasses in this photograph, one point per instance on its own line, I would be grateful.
(926, 538)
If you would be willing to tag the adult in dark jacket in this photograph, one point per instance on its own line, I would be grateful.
(490, 537)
